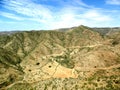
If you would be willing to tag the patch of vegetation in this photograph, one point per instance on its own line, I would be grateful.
(21, 86)
(115, 43)
(65, 60)
(8, 58)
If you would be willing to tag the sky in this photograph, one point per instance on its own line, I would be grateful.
(54, 14)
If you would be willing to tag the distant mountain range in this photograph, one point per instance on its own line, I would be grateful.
(101, 30)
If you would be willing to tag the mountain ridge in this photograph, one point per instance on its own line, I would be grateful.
(42, 57)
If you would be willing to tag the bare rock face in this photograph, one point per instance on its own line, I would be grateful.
(78, 58)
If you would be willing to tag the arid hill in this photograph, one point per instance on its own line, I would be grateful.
(78, 58)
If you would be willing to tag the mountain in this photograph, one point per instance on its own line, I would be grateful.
(77, 58)
(104, 31)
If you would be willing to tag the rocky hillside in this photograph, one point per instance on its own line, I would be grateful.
(105, 31)
(78, 58)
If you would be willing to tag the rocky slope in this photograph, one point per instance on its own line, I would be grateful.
(78, 58)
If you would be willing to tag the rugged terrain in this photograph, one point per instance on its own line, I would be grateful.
(78, 58)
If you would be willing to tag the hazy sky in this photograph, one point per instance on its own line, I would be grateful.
(52, 14)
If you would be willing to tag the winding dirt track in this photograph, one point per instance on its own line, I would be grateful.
(90, 46)
(90, 69)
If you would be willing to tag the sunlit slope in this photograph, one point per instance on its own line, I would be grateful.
(41, 59)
